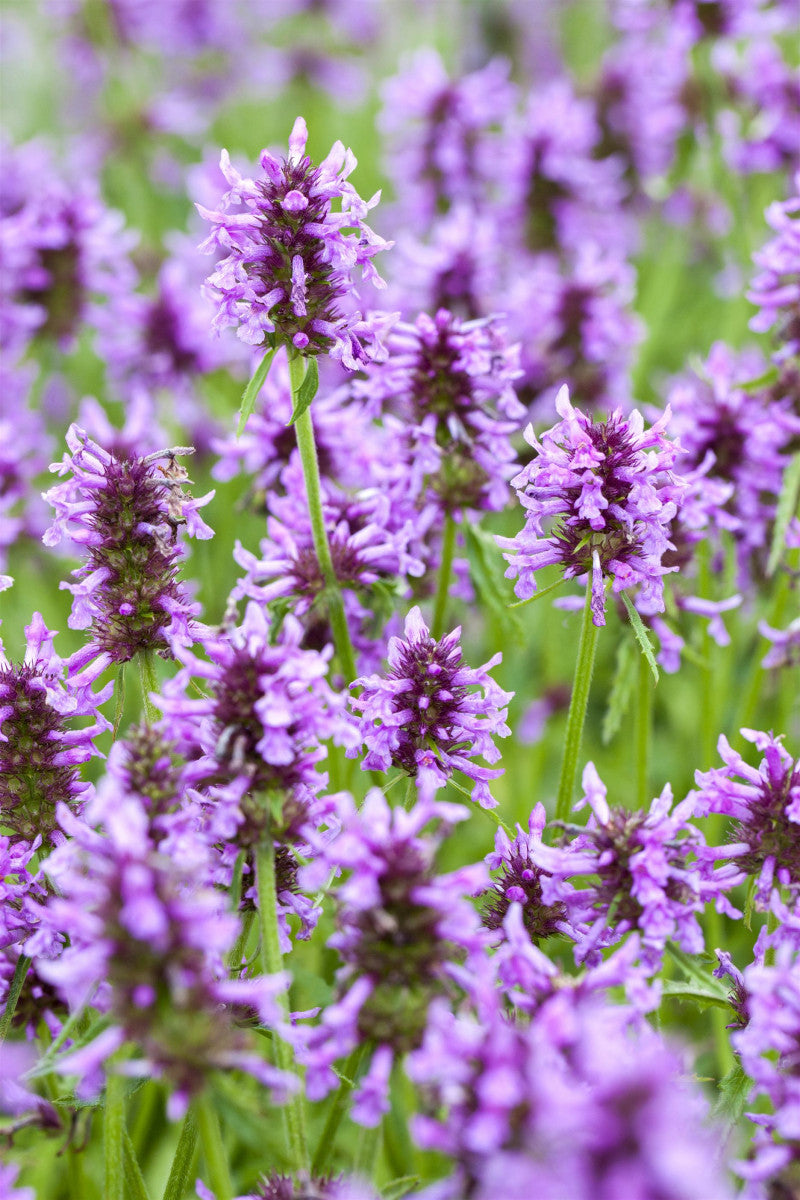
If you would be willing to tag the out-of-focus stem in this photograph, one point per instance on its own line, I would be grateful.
(584, 667)
(445, 573)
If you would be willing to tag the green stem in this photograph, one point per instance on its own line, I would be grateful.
(644, 725)
(723, 1051)
(369, 1146)
(211, 1140)
(119, 705)
(338, 1108)
(578, 704)
(445, 572)
(75, 1181)
(114, 1137)
(307, 446)
(272, 964)
(133, 1172)
(147, 676)
(183, 1162)
(17, 982)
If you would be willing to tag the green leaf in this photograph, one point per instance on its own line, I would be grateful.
(253, 388)
(700, 995)
(697, 972)
(307, 390)
(400, 1187)
(734, 1091)
(538, 595)
(787, 508)
(621, 689)
(487, 572)
(642, 636)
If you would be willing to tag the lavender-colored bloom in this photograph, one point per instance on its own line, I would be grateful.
(746, 433)
(610, 488)
(126, 511)
(267, 709)
(450, 385)
(520, 882)
(289, 261)
(40, 747)
(645, 872)
(430, 714)
(575, 325)
(583, 1101)
(442, 134)
(776, 287)
(8, 1189)
(285, 1187)
(148, 941)
(762, 133)
(62, 251)
(785, 650)
(400, 930)
(764, 804)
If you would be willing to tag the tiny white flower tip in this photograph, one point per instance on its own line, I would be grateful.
(298, 139)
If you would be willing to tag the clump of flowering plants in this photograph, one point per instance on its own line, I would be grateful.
(299, 893)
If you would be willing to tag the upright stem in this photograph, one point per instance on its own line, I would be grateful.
(17, 982)
(307, 446)
(213, 1148)
(337, 1110)
(271, 964)
(114, 1137)
(578, 704)
(644, 725)
(445, 572)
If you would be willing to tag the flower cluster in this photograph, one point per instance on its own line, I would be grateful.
(126, 510)
(431, 714)
(289, 256)
(599, 498)
(776, 287)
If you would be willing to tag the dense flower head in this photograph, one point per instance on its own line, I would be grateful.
(41, 747)
(126, 510)
(290, 256)
(600, 498)
(520, 880)
(400, 930)
(266, 710)
(744, 433)
(449, 383)
(643, 870)
(776, 286)
(430, 714)
(762, 130)
(764, 804)
(442, 133)
(62, 251)
(19, 887)
(580, 1102)
(147, 945)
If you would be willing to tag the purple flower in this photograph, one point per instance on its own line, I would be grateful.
(776, 287)
(785, 650)
(148, 941)
(266, 709)
(744, 434)
(644, 869)
(24, 453)
(599, 499)
(762, 131)
(400, 930)
(449, 384)
(430, 714)
(520, 882)
(41, 748)
(289, 263)
(126, 510)
(764, 804)
(62, 250)
(584, 1101)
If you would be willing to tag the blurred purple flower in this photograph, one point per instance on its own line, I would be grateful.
(776, 287)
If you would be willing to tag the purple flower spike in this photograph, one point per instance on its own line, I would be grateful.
(432, 714)
(126, 510)
(520, 882)
(599, 499)
(764, 803)
(776, 288)
(289, 256)
(40, 749)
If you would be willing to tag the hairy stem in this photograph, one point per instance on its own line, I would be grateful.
(445, 574)
(578, 704)
(213, 1148)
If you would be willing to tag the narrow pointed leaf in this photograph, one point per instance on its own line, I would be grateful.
(307, 390)
(642, 636)
(253, 388)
